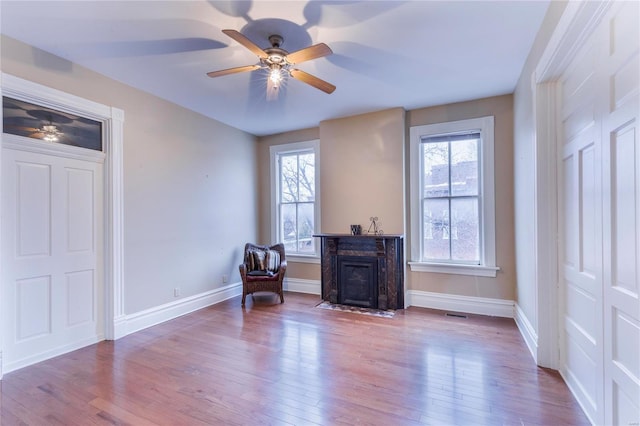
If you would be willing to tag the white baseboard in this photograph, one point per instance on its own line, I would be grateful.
(158, 314)
(528, 332)
(456, 303)
(580, 395)
(42, 356)
(119, 328)
(300, 285)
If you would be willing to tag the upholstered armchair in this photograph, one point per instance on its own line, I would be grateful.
(263, 269)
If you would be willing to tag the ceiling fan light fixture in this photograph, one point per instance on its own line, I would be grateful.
(275, 75)
(51, 133)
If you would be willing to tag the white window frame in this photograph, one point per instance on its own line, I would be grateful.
(291, 148)
(487, 266)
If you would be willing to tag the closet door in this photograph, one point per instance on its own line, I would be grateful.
(599, 220)
(619, 74)
(52, 256)
(580, 227)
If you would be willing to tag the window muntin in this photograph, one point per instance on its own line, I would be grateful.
(295, 207)
(452, 197)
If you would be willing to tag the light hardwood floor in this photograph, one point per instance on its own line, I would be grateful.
(296, 364)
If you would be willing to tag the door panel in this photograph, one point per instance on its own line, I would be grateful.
(80, 215)
(32, 197)
(52, 235)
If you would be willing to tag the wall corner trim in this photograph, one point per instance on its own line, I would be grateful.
(457, 303)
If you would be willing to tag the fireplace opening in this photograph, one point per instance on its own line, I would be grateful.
(358, 281)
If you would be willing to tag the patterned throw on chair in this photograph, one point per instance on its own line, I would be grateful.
(263, 269)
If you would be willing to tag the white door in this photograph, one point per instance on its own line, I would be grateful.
(52, 255)
(620, 75)
(581, 231)
(599, 221)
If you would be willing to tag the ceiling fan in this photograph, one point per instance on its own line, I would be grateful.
(279, 62)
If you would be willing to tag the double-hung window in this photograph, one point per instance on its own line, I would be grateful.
(295, 206)
(452, 198)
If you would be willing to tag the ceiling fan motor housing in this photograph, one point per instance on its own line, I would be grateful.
(276, 40)
(275, 55)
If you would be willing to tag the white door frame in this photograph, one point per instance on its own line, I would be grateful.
(576, 24)
(112, 120)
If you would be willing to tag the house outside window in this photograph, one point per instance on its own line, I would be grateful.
(452, 198)
(295, 207)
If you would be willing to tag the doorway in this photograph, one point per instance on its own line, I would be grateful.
(82, 295)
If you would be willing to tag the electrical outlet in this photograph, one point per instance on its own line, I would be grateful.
(225, 278)
(176, 292)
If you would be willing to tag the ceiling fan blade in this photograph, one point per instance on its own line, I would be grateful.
(23, 128)
(233, 70)
(316, 51)
(237, 36)
(313, 81)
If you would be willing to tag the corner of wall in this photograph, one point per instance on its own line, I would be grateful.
(528, 332)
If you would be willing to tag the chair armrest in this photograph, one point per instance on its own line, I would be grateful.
(283, 267)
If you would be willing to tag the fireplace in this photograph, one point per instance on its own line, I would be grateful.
(363, 270)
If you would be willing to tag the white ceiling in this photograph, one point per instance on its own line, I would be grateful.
(386, 54)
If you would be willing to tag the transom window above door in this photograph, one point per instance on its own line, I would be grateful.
(39, 122)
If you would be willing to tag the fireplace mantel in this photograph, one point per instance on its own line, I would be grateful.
(363, 270)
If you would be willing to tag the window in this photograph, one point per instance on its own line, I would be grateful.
(452, 198)
(295, 208)
(34, 121)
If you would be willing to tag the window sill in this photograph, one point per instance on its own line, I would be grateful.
(457, 269)
(303, 259)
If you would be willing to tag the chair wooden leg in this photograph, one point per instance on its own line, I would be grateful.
(281, 297)
(244, 296)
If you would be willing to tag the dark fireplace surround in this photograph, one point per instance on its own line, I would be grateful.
(363, 270)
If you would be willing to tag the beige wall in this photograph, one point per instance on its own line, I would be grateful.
(184, 222)
(362, 172)
(504, 285)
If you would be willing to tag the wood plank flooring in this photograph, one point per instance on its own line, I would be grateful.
(296, 364)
